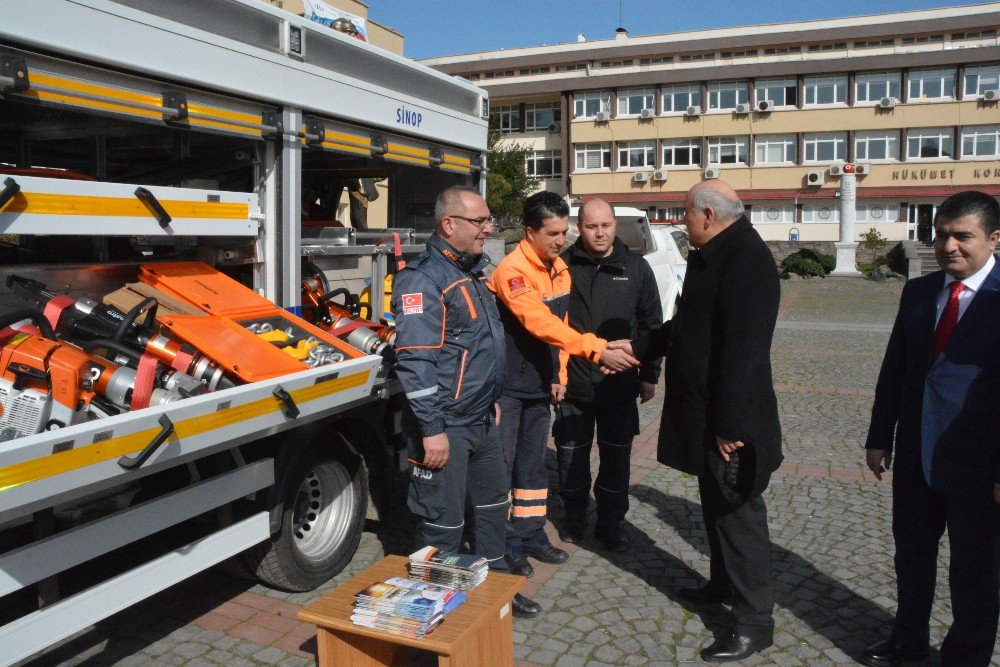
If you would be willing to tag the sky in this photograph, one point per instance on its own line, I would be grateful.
(449, 27)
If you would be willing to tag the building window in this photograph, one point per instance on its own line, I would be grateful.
(692, 57)
(876, 145)
(981, 34)
(772, 213)
(729, 55)
(826, 146)
(932, 84)
(656, 61)
(775, 149)
(871, 212)
(725, 96)
(506, 118)
(874, 44)
(728, 150)
(593, 156)
(783, 51)
(676, 99)
(874, 86)
(821, 213)
(544, 164)
(571, 68)
(586, 105)
(783, 92)
(633, 100)
(636, 154)
(825, 90)
(682, 153)
(983, 141)
(980, 79)
(933, 142)
(541, 116)
(616, 63)
(923, 39)
(534, 70)
(837, 46)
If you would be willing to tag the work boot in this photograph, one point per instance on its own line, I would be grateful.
(524, 607)
(519, 564)
(891, 652)
(547, 554)
(574, 530)
(611, 537)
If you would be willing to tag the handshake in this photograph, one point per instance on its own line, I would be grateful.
(617, 357)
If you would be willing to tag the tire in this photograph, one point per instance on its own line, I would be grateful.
(324, 498)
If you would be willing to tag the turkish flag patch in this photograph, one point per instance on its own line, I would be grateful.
(413, 304)
(516, 283)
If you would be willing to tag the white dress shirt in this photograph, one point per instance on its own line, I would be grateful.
(972, 285)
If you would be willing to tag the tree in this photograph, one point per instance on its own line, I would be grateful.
(507, 182)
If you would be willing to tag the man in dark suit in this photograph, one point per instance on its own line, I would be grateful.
(938, 395)
(720, 415)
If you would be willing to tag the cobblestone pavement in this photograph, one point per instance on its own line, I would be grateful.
(829, 524)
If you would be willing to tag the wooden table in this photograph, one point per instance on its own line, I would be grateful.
(478, 632)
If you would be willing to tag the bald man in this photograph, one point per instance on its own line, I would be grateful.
(720, 415)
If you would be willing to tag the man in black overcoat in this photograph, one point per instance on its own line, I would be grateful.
(720, 415)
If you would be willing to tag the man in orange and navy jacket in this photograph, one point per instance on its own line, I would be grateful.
(532, 285)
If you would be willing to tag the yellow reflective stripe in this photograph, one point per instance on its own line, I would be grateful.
(201, 122)
(364, 142)
(400, 148)
(46, 96)
(407, 158)
(344, 147)
(69, 85)
(41, 203)
(79, 457)
(455, 159)
(222, 114)
(451, 167)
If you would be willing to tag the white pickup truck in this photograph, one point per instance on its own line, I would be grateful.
(665, 247)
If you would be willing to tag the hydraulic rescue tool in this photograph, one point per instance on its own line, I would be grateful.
(85, 320)
(345, 321)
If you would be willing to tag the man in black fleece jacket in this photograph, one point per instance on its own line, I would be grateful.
(613, 295)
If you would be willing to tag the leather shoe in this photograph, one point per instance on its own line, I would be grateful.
(613, 539)
(525, 607)
(518, 564)
(892, 652)
(710, 593)
(736, 646)
(550, 554)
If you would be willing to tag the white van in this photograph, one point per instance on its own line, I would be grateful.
(663, 246)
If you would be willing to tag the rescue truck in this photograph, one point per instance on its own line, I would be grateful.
(188, 372)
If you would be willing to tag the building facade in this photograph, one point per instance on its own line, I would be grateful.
(909, 98)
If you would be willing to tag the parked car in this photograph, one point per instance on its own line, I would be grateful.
(665, 247)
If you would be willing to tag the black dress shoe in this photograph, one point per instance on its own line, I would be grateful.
(613, 539)
(525, 607)
(708, 594)
(736, 646)
(892, 652)
(519, 564)
(547, 554)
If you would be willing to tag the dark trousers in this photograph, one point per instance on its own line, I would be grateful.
(919, 518)
(740, 553)
(524, 431)
(616, 425)
(474, 477)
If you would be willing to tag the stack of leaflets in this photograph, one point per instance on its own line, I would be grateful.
(404, 607)
(448, 568)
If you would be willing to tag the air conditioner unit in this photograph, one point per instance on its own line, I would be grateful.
(693, 111)
(711, 172)
(660, 175)
(640, 177)
(862, 169)
(555, 127)
(836, 170)
(602, 117)
(815, 177)
(647, 113)
(765, 106)
(742, 108)
(887, 103)
(991, 95)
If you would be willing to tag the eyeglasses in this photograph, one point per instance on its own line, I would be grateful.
(478, 222)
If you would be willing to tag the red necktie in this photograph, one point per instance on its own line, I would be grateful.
(949, 318)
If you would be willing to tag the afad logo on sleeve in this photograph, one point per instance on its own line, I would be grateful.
(413, 304)
(516, 285)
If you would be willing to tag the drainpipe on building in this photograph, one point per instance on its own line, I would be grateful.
(847, 247)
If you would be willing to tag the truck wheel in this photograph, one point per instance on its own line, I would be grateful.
(325, 499)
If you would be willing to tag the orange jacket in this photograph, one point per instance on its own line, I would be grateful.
(525, 286)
